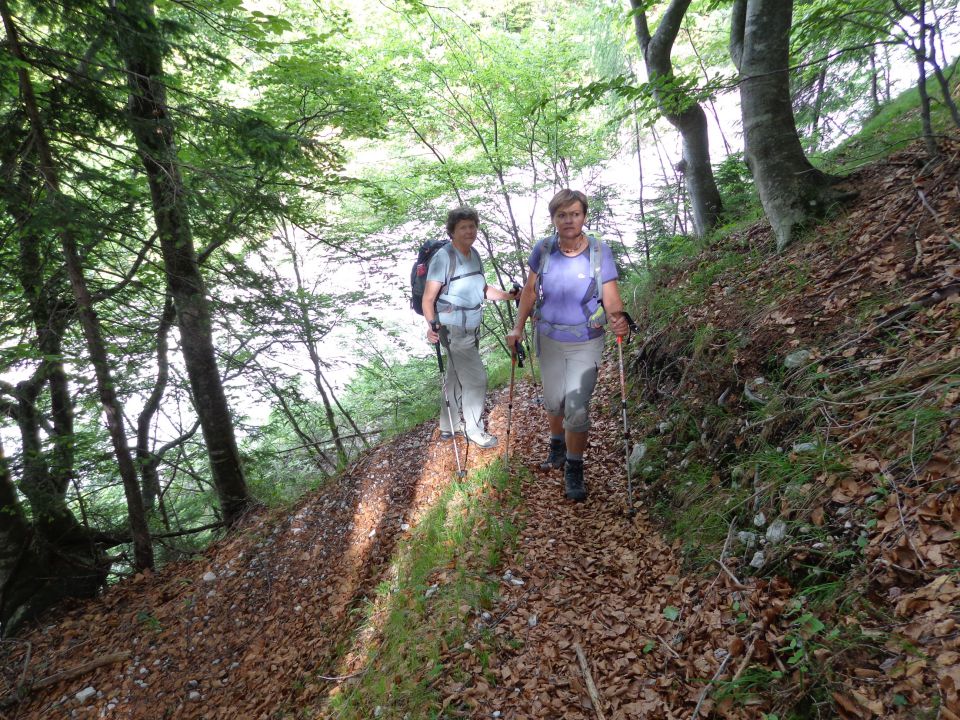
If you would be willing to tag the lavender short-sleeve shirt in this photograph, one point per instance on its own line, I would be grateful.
(564, 285)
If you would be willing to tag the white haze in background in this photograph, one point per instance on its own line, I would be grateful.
(619, 172)
(340, 347)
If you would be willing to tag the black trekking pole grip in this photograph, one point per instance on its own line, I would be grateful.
(518, 354)
(435, 326)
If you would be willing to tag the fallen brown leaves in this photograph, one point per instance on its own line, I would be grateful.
(873, 299)
(256, 626)
(245, 630)
(595, 579)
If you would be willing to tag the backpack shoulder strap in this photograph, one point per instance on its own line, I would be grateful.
(595, 264)
(451, 265)
(476, 254)
(546, 248)
(455, 260)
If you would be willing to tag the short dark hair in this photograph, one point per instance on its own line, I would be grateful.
(566, 197)
(464, 212)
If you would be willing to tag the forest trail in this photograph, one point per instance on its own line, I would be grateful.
(269, 621)
(596, 580)
(244, 629)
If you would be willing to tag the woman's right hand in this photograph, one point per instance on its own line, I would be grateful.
(513, 337)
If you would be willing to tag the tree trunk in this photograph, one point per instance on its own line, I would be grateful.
(933, 149)
(343, 411)
(643, 212)
(690, 121)
(50, 513)
(887, 89)
(143, 550)
(142, 47)
(310, 339)
(817, 110)
(43, 563)
(148, 463)
(933, 29)
(874, 85)
(48, 311)
(792, 191)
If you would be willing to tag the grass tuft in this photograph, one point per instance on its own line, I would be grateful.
(442, 579)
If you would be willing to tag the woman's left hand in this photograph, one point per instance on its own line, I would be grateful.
(619, 324)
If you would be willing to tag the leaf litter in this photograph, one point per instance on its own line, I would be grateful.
(255, 626)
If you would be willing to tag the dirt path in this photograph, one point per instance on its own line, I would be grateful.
(244, 630)
(593, 578)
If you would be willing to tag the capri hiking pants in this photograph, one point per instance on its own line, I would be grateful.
(465, 382)
(569, 371)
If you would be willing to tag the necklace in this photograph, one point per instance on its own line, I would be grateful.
(576, 249)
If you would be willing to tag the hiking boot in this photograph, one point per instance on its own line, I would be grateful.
(557, 456)
(483, 440)
(573, 481)
(444, 435)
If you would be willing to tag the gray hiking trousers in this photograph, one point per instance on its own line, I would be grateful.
(569, 373)
(465, 381)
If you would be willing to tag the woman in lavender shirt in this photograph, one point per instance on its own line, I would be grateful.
(561, 296)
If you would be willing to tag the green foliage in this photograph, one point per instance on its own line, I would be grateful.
(482, 106)
(896, 124)
(837, 43)
(736, 185)
(246, 159)
(400, 394)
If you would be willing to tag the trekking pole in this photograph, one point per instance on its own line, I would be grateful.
(526, 338)
(516, 358)
(435, 326)
(623, 407)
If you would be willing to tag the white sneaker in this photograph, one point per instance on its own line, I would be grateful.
(483, 440)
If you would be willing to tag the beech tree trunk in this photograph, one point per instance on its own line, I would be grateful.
(792, 191)
(141, 45)
(113, 412)
(690, 121)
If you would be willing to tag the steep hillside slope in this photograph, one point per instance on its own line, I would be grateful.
(242, 630)
(803, 423)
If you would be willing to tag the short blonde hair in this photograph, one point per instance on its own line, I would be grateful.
(567, 197)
